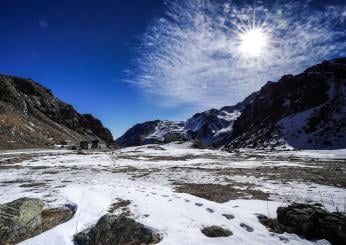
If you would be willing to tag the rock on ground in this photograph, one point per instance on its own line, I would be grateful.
(25, 217)
(216, 231)
(113, 229)
(312, 222)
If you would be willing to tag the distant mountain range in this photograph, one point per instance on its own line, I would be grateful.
(30, 116)
(304, 111)
(212, 127)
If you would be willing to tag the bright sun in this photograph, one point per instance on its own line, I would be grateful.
(253, 42)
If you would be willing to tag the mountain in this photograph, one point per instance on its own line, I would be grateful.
(212, 127)
(305, 111)
(30, 116)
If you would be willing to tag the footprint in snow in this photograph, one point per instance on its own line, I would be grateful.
(199, 204)
(210, 210)
(164, 195)
(228, 216)
(284, 239)
(246, 227)
(187, 200)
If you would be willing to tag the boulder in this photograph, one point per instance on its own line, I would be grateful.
(56, 216)
(25, 217)
(216, 231)
(113, 229)
(312, 222)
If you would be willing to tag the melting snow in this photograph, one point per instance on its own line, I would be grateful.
(94, 181)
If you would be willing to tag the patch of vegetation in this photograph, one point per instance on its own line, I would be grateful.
(220, 193)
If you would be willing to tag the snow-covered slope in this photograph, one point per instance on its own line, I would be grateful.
(148, 176)
(167, 131)
(212, 127)
(323, 126)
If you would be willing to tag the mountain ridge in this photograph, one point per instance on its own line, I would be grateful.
(31, 116)
(211, 127)
(271, 117)
(303, 111)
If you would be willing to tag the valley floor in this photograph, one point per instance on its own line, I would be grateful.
(176, 189)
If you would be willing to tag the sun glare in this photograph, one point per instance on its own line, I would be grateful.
(253, 42)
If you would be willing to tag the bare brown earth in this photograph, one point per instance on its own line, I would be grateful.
(220, 193)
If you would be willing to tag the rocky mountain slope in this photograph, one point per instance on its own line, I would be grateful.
(30, 116)
(305, 111)
(212, 127)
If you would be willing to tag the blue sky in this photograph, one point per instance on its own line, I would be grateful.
(80, 50)
(128, 61)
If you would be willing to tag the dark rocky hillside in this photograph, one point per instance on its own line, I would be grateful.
(30, 116)
(136, 135)
(305, 111)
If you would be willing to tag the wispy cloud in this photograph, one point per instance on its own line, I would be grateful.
(191, 55)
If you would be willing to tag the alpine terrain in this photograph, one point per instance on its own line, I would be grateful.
(304, 111)
(30, 116)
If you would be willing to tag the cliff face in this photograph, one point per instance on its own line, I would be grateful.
(306, 111)
(30, 116)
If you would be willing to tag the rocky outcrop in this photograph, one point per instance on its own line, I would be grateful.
(216, 231)
(305, 111)
(312, 222)
(31, 116)
(25, 218)
(112, 229)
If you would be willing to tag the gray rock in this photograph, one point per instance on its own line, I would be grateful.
(20, 218)
(312, 222)
(112, 229)
(216, 231)
(25, 217)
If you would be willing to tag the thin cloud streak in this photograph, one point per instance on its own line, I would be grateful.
(191, 56)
